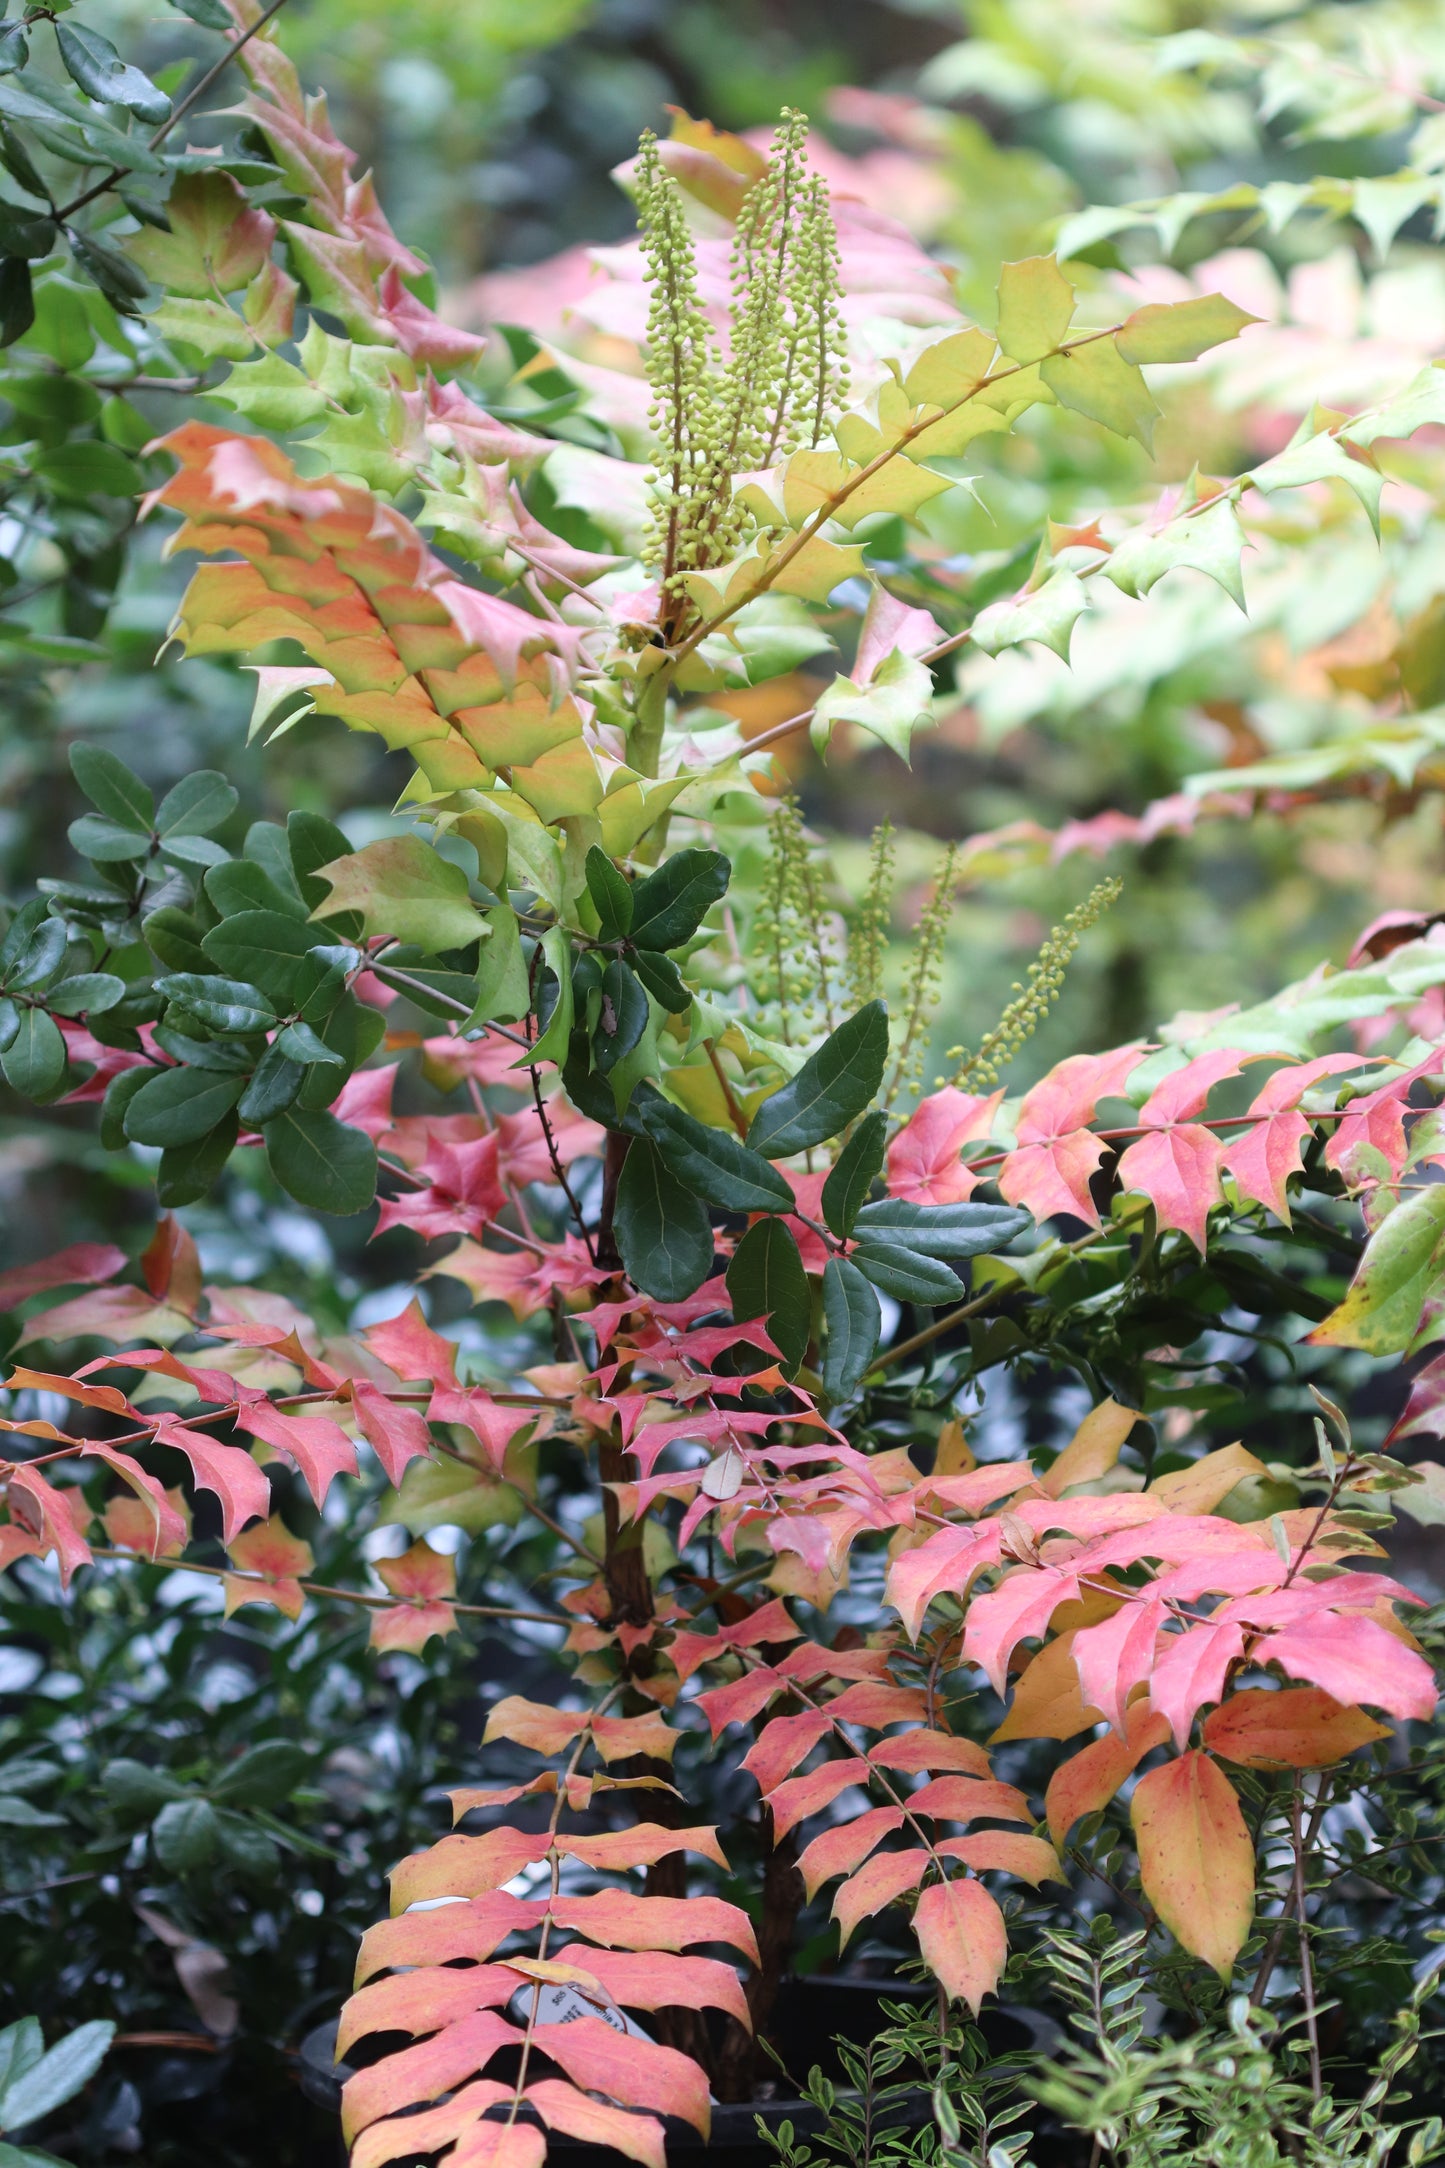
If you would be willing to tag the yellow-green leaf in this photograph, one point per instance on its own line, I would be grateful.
(1097, 382)
(1181, 330)
(403, 887)
(1035, 308)
(948, 369)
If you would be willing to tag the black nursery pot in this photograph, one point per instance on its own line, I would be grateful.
(810, 2014)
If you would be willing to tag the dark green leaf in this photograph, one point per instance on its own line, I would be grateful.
(94, 836)
(9, 1022)
(248, 1849)
(713, 1162)
(176, 938)
(194, 850)
(766, 1279)
(906, 1275)
(122, 283)
(188, 1171)
(89, 468)
(34, 1061)
(88, 993)
(611, 892)
(119, 1093)
(263, 1777)
(19, 164)
(660, 975)
(854, 1321)
(18, 933)
(829, 1091)
(197, 804)
(321, 982)
(233, 1005)
(264, 948)
(21, 2047)
(94, 66)
(312, 841)
(662, 1227)
(668, 907)
(300, 1043)
(186, 1835)
(14, 51)
(322, 1162)
(41, 957)
(623, 1019)
(17, 299)
(271, 1090)
(847, 1186)
(209, 13)
(940, 1230)
(180, 1106)
(230, 1057)
(136, 1791)
(57, 2077)
(241, 885)
(343, 1034)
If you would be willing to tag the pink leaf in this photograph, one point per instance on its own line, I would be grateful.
(962, 1938)
(83, 1264)
(423, 2072)
(1054, 1178)
(562, 2107)
(396, 1434)
(887, 1876)
(407, 1345)
(1189, 1670)
(1184, 1092)
(1356, 1660)
(924, 1166)
(630, 2070)
(315, 1444)
(44, 1513)
(241, 1486)
(1115, 1655)
(1066, 1098)
(1178, 1171)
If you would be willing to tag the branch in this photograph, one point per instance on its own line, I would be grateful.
(192, 98)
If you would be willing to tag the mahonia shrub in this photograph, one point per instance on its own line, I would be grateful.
(681, 1149)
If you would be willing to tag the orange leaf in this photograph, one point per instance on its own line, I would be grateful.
(402, 2137)
(784, 1742)
(962, 1937)
(635, 2072)
(499, 2145)
(270, 1549)
(1093, 1449)
(421, 1572)
(425, 2071)
(470, 1930)
(872, 1703)
(963, 1799)
(466, 1866)
(563, 2108)
(846, 1845)
(653, 1980)
(423, 2001)
(410, 1625)
(1048, 1702)
(799, 1797)
(44, 1512)
(617, 1918)
(1195, 1858)
(640, 1846)
(931, 1750)
(1299, 1727)
(1090, 1778)
(493, 1795)
(1206, 1483)
(886, 1876)
(535, 1725)
(1004, 1850)
(617, 1737)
